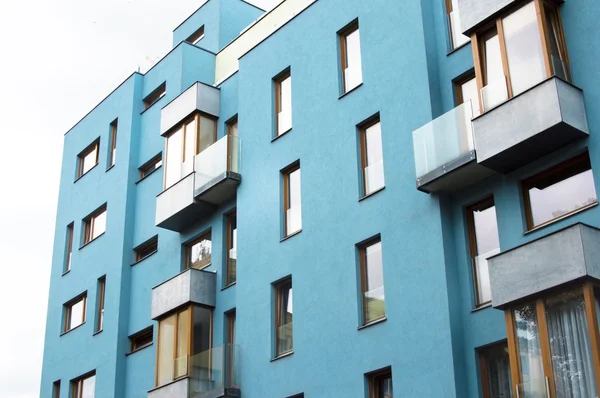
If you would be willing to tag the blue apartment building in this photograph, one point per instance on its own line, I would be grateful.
(338, 198)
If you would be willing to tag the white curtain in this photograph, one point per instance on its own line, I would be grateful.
(570, 348)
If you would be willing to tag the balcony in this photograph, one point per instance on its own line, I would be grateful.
(445, 153)
(546, 117)
(198, 97)
(212, 182)
(561, 257)
(474, 13)
(190, 287)
(214, 373)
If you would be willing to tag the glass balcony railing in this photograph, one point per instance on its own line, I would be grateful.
(561, 67)
(494, 94)
(216, 160)
(458, 39)
(215, 369)
(534, 389)
(444, 139)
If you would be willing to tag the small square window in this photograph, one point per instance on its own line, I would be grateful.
(88, 158)
(75, 312)
(198, 252)
(94, 225)
(284, 342)
(155, 95)
(84, 386)
(146, 249)
(150, 166)
(196, 36)
(380, 383)
(141, 339)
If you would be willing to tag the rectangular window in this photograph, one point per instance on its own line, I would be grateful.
(146, 249)
(466, 91)
(456, 36)
(523, 48)
(113, 143)
(198, 252)
(484, 243)
(187, 140)
(155, 95)
(184, 342)
(141, 339)
(84, 387)
(380, 383)
(75, 312)
(371, 280)
(350, 57)
(232, 126)
(231, 248)
(100, 305)
(230, 318)
(495, 371)
(233, 146)
(559, 191)
(150, 166)
(196, 36)
(94, 225)
(284, 342)
(283, 102)
(56, 389)
(292, 203)
(88, 158)
(69, 248)
(371, 150)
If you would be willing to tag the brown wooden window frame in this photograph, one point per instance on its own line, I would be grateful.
(362, 262)
(557, 173)
(56, 389)
(188, 250)
(89, 222)
(144, 334)
(373, 379)
(114, 127)
(229, 220)
(544, 9)
(82, 155)
(155, 95)
(150, 166)
(286, 197)
(77, 385)
(69, 248)
(278, 80)
(342, 35)
(100, 304)
(146, 249)
(587, 287)
(68, 309)
(483, 368)
(278, 288)
(195, 37)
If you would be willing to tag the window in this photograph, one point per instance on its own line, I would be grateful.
(113, 143)
(456, 36)
(191, 137)
(466, 91)
(371, 280)
(69, 248)
(84, 387)
(231, 335)
(100, 305)
(75, 312)
(88, 159)
(198, 252)
(292, 203)
(146, 249)
(141, 339)
(554, 344)
(155, 95)
(94, 225)
(196, 36)
(371, 152)
(284, 342)
(184, 342)
(232, 126)
(350, 57)
(56, 389)
(560, 191)
(231, 348)
(283, 102)
(231, 249)
(380, 383)
(484, 243)
(521, 49)
(233, 146)
(495, 371)
(150, 166)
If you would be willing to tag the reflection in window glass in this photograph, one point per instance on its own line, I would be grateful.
(458, 39)
(495, 91)
(284, 317)
(77, 314)
(292, 202)
(373, 175)
(373, 296)
(89, 387)
(88, 159)
(166, 337)
(530, 354)
(208, 133)
(284, 103)
(351, 58)
(231, 253)
(497, 381)
(174, 158)
(199, 253)
(99, 225)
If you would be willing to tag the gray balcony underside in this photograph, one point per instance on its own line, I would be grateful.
(533, 124)
(190, 287)
(554, 260)
(181, 389)
(453, 176)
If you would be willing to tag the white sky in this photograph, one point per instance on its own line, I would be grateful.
(59, 58)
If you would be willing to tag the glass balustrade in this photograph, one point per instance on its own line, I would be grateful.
(214, 369)
(494, 94)
(533, 389)
(219, 158)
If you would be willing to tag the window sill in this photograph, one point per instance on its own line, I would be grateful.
(138, 349)
(110, 168)
(152, 104)
(70, 330)
(228, 286)
(148, 175)
(557, 219)
(93, 240)
(482, 307)
(371, 194)
(66, 272)
(84, 174)
(97, 332)
(290, 236)
(458, 48)
(281, 135)
(142, 259)
(372, 323)
(281, 356)
(350, 91)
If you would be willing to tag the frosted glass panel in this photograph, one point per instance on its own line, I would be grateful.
(494, 94)
(353, 72)
(374, 178)
(294, 219)
(458, 39)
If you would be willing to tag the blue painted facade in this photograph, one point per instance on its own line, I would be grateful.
(431, 333)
